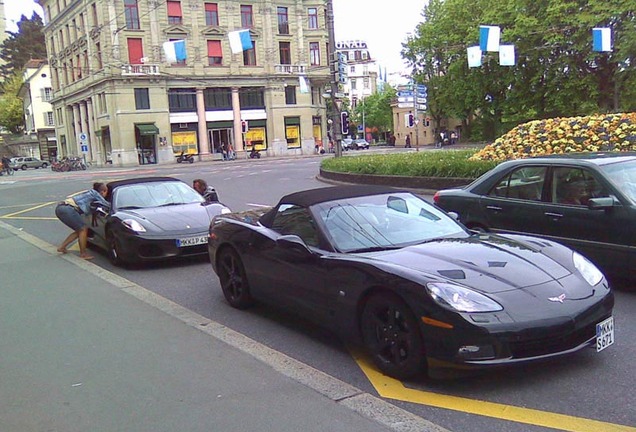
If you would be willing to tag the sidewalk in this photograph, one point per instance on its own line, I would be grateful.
(84, 350)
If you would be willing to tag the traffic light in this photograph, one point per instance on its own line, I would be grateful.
(344, 122)
(409, 120)
(244, 126)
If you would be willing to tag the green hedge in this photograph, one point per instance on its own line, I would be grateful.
(437, 163)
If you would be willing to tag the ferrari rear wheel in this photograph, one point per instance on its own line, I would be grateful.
(392, 337)
(234, 280)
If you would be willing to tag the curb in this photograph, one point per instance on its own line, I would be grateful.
(365, 404)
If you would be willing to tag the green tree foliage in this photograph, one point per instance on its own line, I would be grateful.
(556, 72)
(11, 109)
(20, 47)
(378, 114)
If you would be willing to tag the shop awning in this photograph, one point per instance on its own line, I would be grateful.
(147, 129)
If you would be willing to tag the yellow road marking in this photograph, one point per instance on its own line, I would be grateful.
(391, 388)
(10, 215)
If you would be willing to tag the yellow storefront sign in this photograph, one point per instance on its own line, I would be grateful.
(184, 142)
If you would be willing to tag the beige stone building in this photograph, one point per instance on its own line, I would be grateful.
(116, 95)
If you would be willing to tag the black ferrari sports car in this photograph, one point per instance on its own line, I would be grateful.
(152, 218)
(418, 288)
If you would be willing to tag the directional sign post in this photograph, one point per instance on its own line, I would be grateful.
(82, 138)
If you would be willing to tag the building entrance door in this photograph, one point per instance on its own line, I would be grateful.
(219, 138)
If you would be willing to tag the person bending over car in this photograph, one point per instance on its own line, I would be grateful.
(207, 192)
(70, 212)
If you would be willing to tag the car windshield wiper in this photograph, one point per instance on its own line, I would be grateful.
(130, 207)
(375, 249)
(170, 204)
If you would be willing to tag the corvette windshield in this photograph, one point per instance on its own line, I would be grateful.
(388, 221)
(145, 195)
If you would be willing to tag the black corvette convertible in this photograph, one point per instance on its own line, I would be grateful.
(418, 288)
(152, 218)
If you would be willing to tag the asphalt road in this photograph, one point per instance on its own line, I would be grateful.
(585, 392)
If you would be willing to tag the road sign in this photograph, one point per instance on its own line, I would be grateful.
(405, 99)
(422, 100)
(405, 105)
(84, 148)
(405, 93)
(422, 107)
(339, 95)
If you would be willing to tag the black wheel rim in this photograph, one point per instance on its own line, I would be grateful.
(392, 334)
(233, 279)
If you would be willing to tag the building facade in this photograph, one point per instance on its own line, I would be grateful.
(116, 96)
(362, 70)
(36, 93)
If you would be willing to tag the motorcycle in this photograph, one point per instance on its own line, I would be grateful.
(255, 154)
(185, 158)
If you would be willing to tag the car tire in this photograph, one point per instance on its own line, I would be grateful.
(233, 279)
(44, 165)
(114, 250)
(391, 335)
(24, 167)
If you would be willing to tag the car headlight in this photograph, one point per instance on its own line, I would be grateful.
(461, 299)
(588, 270)
(133, 225)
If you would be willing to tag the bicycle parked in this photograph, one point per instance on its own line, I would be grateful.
(71, 163)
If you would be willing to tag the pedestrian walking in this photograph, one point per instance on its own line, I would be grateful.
(70, 212)
(408, 140)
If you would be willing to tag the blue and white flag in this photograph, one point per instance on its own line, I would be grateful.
(601, 39)
(474, 56)
(489, 38)
(240, 40)
(175, 51)
(304, 85)
(506, 55)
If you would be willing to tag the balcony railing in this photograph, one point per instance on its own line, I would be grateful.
(140, 69)
(291, 69)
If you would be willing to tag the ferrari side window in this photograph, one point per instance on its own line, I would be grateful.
(292, 219)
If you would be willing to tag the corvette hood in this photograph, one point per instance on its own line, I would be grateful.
(176, 218)
(489, 264)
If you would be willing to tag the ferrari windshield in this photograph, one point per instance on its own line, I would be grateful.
(154, 194)
(386, 221)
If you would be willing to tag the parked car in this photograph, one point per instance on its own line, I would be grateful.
(27, 162)
(586, 201)
(419, 289)
(359, 144)
(151, 219)
(346, 143)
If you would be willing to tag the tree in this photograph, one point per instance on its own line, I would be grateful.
(11, 109)
(377, 110)
(556, 72)
(20, 47)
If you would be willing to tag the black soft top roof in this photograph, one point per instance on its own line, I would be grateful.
(310, 197)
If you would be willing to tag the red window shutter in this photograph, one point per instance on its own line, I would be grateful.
(135, 50)
(174, 9)
(214, 49)
(211, 7)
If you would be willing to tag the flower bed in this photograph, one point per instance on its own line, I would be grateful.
(600, 132)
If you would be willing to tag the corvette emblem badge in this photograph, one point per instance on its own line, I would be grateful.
(557, 299)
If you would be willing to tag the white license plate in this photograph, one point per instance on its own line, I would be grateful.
(604, 334)
(192, 241)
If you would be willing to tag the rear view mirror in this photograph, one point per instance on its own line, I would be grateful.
(397, 204)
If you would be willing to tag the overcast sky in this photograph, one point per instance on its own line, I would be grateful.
(384, 25)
